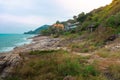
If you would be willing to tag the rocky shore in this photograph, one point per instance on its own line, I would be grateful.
(11, 59)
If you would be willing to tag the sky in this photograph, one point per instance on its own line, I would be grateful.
(18, 16)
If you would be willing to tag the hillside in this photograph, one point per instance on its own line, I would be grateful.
(90, 51)
(104, 19)
(38, 30)
(107, 16)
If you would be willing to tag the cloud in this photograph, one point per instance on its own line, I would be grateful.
(32, 13)
(11, 4)
(29, 21)
(74, 6)
(47, 8)
(35, 20)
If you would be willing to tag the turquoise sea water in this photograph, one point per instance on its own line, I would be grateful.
(9, 41)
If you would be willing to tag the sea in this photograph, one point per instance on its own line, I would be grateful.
(9, 41)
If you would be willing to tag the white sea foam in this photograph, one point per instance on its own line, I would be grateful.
(6, 49)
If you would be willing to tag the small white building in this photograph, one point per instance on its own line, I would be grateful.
(71, 26)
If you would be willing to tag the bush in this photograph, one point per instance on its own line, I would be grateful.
(55, 66)
(69, 67)
(89, 71)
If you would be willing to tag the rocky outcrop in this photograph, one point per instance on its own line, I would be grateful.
(11, 59)
(39, 43)
(8, 62)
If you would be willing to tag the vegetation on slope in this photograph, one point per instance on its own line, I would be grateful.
(107, 16)
(59, 64)
(55, 65)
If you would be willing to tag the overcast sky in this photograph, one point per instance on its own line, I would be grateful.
(18, 16)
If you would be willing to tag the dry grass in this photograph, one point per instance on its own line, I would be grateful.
(83, 47)
(55, 65)
(105, 53)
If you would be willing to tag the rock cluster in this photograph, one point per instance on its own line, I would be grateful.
(11, 59)
(8, 62)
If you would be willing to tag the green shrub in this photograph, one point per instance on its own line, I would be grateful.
(55, 66)
(69, 67)
(89, 70)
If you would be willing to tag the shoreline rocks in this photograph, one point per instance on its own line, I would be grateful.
(7, 63)
(11, 59)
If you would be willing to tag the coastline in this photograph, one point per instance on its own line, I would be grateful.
(8, 60)
(10, 41)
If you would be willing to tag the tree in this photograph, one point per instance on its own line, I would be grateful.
(75, 18)
(57, 22)
(81, 17)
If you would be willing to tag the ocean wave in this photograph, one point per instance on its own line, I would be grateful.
(6, 49)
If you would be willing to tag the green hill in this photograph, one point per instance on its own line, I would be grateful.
(107, 16)
(37, 31)
(91, 51)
